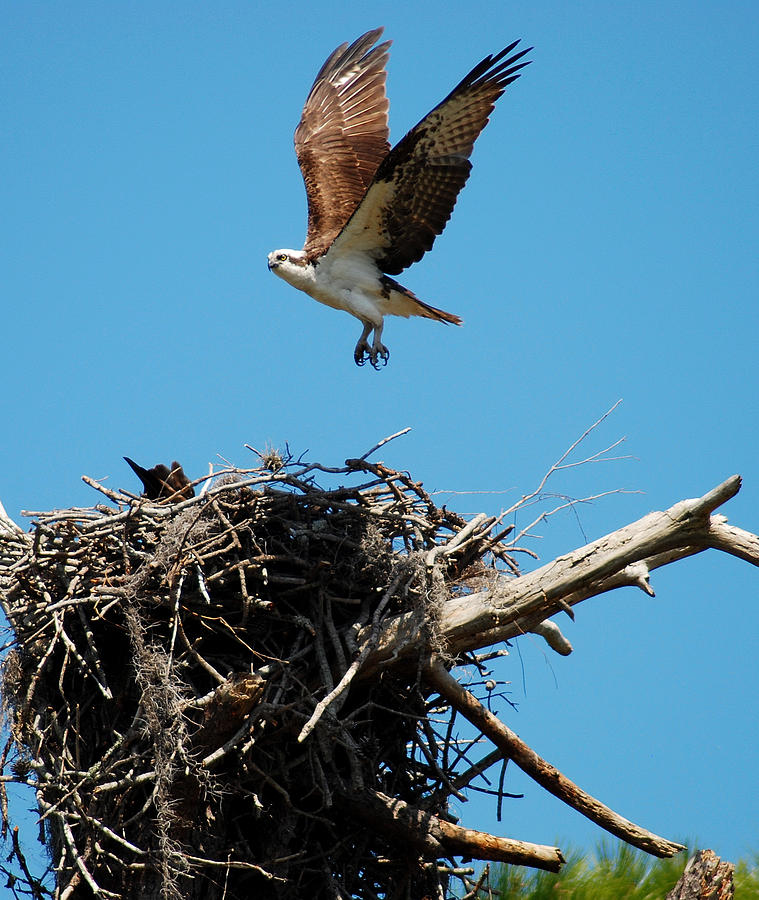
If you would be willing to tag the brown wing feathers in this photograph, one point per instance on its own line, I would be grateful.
(403, 198)
(431, 164)
(342, 136)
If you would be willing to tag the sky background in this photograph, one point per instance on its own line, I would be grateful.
(605, 248)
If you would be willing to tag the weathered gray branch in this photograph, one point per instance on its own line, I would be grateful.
(7, 525)
(514, 606)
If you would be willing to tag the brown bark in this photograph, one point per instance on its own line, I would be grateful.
(434, 838)
(546, 775)
(226, 711)
(705, 877)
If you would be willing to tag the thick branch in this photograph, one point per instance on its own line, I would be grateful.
(541, 771)
(514, 606)
(435, 838)
(733, 540)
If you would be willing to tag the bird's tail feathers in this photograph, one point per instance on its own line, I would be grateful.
(404, 302)
(432, 312)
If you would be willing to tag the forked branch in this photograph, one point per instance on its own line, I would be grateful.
(514, 606)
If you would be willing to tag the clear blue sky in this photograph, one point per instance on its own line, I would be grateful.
(604, 248)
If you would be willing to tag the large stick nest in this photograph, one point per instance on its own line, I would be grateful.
(169, 655)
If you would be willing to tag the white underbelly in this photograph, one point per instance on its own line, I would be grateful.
(351, 285)
(355, 302)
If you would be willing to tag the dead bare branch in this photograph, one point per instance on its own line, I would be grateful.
(514, 606)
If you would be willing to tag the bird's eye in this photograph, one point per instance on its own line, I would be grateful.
(282, 257)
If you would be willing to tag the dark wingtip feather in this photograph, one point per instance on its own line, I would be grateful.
(507, 67)
(506, 50)
(496, 68)
(512, 74)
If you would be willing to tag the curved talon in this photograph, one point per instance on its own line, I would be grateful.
(379, 352)
(362, 353)
(375, 354)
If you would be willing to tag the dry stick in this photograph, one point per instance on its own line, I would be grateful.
(201, 861)
(35, 887)
(435, 838)
(71, 842)
(117, 838)
(538, 769)
(384, 441)
(474, 893)
(354, 667)
(435, 769)
(561, 464)
(200, 660)
(101, 681)
(73, 882)
(460, 537)
(102, 489)
(479, 768)
(3, 793)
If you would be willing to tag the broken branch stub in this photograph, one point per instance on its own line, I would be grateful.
(706, 877)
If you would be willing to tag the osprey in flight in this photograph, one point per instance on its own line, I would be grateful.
(373, 211)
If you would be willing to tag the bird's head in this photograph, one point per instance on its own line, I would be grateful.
(282, 261)
(292, 266)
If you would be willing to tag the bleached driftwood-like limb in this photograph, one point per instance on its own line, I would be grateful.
(546, 775)
(7, 525)
(435, 838)
(552, 635)
(735, 541)
(514, 606)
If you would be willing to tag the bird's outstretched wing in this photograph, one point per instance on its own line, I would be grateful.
(415, 188)
(342, 136)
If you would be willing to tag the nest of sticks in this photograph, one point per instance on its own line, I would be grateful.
(181, 692)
